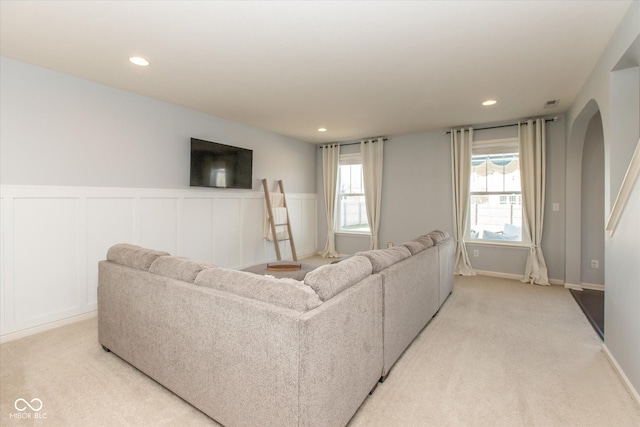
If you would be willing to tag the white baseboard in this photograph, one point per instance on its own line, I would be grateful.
(46, 327)
(583, 286)
(616, 367)
(499, 274)
(592, 286)
(513, 276)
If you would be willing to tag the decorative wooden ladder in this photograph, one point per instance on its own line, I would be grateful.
(272, 223)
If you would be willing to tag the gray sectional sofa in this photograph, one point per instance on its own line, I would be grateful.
(252, 350)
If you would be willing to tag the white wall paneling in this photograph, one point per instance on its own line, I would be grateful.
(53, 238)
(227, 245)
(159, 223)
(196, 232)
(253, 250)
(109, 220)
(49, 271)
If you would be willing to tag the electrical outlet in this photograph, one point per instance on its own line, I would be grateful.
(595, 263)
(389, 244)
(556, 207)
(476, 253)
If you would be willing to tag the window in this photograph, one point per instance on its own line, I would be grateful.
(351, 215)
(495, 198)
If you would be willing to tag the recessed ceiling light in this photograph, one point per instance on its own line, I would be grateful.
(322, 129)
(139, 61)
(489, 102)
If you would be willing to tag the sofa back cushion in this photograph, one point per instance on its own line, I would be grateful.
(414, 246)
(331, 279)
(425, 239)
(383, 258)
(288, 293)
(133, 256)
(438, 236)
(178, 268)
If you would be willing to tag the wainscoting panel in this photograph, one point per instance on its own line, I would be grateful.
(295, 216)
(108, 221)
(159, 223)
(52, 239)
(3, 265)
(308, 226)
(227, 215)
(253, 225)
(196, 233)
(48, 270)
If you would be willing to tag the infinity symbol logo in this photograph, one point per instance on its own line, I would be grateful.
(20, 403)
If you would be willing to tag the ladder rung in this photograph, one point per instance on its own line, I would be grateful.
(278, 225)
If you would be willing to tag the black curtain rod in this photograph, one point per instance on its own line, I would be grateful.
(350, 143)
(555, 119)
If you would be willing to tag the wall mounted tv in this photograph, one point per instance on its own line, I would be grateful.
(220, 166)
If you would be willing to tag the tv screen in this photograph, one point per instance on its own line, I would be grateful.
(220, 166)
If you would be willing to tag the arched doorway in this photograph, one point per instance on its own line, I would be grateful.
(592, 211)
(584, 268)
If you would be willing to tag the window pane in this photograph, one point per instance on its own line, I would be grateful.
(351, 179)
(495, 173)
(495, 203)
(478, 182)
(353, 213)
(351, 209)
(496, 217)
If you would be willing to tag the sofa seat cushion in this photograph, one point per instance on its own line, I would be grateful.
(178, 268)
(331, 279)
(383, 258)
(288, 293)
(133, 256)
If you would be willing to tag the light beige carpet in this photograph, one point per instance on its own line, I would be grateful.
(498, 353)
(503, 353)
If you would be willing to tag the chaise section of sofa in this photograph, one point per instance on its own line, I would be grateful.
(410, 286)
(245, 349)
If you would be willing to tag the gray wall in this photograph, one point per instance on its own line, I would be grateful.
(592, 241)
(416, 186)
(60, 130)
(616, 94)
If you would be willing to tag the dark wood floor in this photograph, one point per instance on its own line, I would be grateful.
(592, 305)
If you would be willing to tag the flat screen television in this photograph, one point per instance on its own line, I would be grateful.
(220, 166)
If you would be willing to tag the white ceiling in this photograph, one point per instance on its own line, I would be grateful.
(358, 68)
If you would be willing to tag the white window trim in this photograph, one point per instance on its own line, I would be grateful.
(497, 243)
(488, 145)
(347, 159)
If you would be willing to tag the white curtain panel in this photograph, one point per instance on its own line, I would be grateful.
(532, 176)
(461, 170)
(330, 163)
(372, 155)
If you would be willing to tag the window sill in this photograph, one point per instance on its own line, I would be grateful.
(353, 233)
(497, 243)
